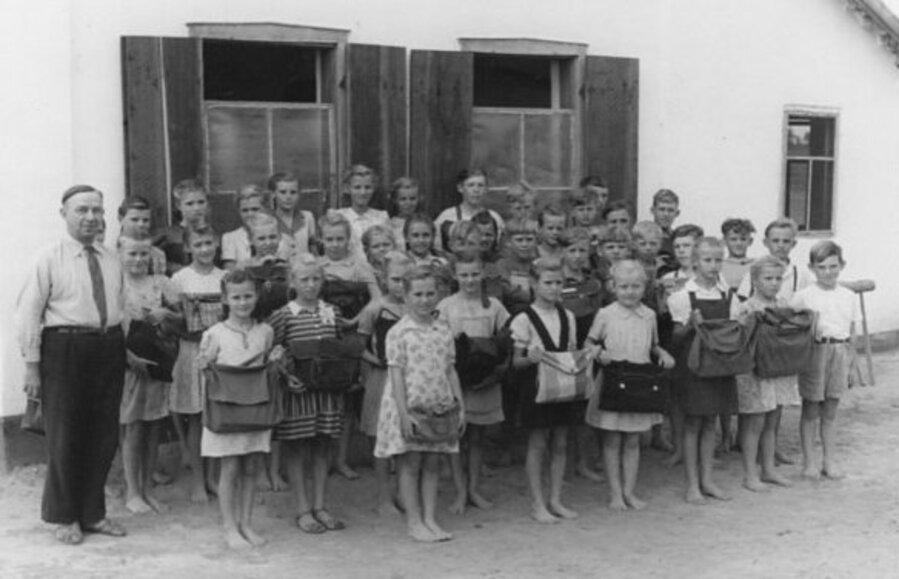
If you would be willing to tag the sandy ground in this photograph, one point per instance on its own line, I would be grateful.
(827, 529)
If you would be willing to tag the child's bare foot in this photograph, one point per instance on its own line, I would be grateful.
(755, 485)
(588, 473)
(695, 497)
(712, 490)
(776, 478)
(252, 536)
(155, 504)
(162, 479)
(634, 502)
(235, 540)
(137, 505)
(387, 508)
(541, 515)
(346, 472)
(810, 473)
(477, 499)
(278, 483)
(421, 533)
(198, 495)
(660, 443)
(782, 458)
(832, 472)
(674, 460)
(560, 510)
(618, 504)
(439, 533)
(458, 506)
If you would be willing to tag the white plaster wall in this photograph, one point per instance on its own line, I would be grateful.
(715, 77)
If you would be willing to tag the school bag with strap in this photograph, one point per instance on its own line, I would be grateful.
(349, 296)
(477, 358)
(562, 376)
(241, 398)
(630, 387)
(272, 281)
(330, 364)
(721, 347)
(784, 339)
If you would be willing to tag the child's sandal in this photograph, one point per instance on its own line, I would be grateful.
(308, 523)
(326, 519)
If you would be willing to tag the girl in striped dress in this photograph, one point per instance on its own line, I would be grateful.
(313, 419)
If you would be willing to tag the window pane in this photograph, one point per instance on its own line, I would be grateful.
(821, 196)
(512, 81)
(547, 150)
(238, 147)
(798, 135)
(301, 141)
(259, 71)
(797, 192)
(822, 136)
(496, 146)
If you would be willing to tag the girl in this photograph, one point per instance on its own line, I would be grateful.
(313, 419)
(292, 221)
(420, 356)
(419, 233)
(199, 290)
(377, 241)
(404, 203)
(471, 184)
(135, 214)
(625, 330)
(472, 312)
(705, 296)
(238, 341)
(547, 423)
(359, 183)
(192, 203)
(375, 321)
(236, 245)
(145, 400)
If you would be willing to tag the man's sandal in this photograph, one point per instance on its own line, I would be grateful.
(69, 534)
(308, 523)
(326, 519)
(106, 527)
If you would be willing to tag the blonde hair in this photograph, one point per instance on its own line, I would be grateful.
(706, 241)
(543, 265)
(332, 218)
(261, 220)
(626, 267)
(303, 261)
(359, 171)
(766, 261)
(645, 229)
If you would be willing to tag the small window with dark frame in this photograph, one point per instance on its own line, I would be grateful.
(260, 72)
(809, 174)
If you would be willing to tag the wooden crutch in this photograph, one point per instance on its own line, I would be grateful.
(861, 287)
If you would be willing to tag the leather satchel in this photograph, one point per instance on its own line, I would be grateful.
(630, 387)
(151, 343)
(330, 364)
(477, 359)
(564, 377)
(722, 348)
(241, 398)
(349, 296)
(784, 340)
(437, 425)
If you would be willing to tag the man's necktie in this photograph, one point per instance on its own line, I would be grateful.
(99, 289)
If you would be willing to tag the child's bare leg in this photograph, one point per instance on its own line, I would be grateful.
(249, 471)
(409, 475)
(179, 421)
(707, 459)
(386, 504)
(766, 452)
(132, 463)
(537, 440)
(677, 435)
(750, 433)
(557, 473)
(475, 435)
(295, 453)
(343, 444)
(584, 440)
(690, 449)
(828, 438)
(275, 481)
(228, 503)
(611, 457)
(727, 434)
(630, 463)
(458, 472)
(150, 456)
(779, 457)
(808, 423)
(198, 483)
(430, 479)
(658, 440)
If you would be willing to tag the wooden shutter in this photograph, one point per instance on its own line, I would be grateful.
(611, 100)
(440, 136)
(377, 103)
(161, 84)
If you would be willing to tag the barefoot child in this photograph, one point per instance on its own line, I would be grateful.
(703, 297)
(626, 331)
(472, 312)
(375, 321)
(757, 397)
(313, 419)
(294, 222)
(359, 183)
(199, 289)
(420, 357)
(827, 376)
(238, 341)
(145, 399)
(404, 203)
(547, 423)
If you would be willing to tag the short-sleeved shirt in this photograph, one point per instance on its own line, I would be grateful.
(734, 269)
(361, 222)
(236, 246)
(425, 353)
(525, 335)
(227, 344)
(461, 213)
(625, 333)
(837, 310)
(679, 302)
(471, 317)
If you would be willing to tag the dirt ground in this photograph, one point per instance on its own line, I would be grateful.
(827, 529)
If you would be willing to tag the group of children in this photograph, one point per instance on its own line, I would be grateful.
(577, 275)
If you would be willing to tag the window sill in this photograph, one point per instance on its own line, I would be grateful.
(823, 234)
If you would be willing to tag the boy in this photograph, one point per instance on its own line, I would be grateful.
(683, 238)
(135, 214)
(515, 266)
(613, 245)
(665, 209)
(597, 187)
(520, 200)
(618, 214)
(583, 205)
(552, 223)
(780, 239)
(737, 234)
(827, 376)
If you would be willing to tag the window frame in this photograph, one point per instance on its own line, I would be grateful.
(832, 113)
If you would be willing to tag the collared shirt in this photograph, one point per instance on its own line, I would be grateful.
(734, 269)
(58, 292)
(626, 333)
(837, 310)
(236, 246)
(361, 222)
(679, 302)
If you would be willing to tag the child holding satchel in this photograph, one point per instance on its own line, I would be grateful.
(421, 414)
(238, 341)
(626, 331)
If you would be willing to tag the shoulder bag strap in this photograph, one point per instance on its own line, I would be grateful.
(541, 329)
(563, 322)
